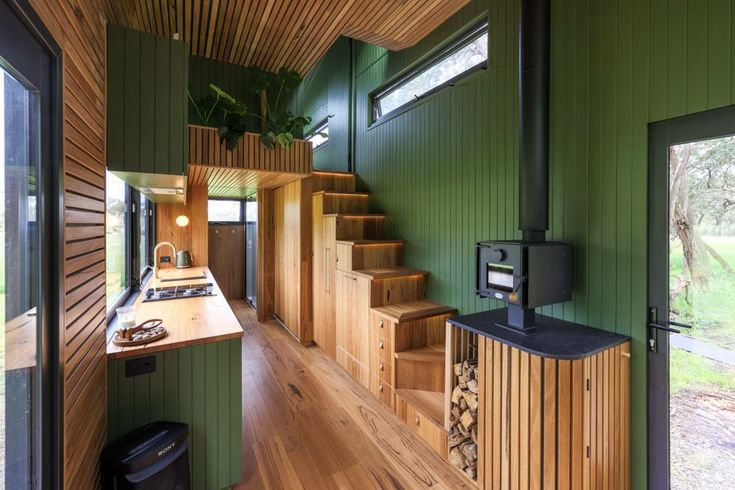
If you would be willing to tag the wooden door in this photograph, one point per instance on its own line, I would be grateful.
(227, 258)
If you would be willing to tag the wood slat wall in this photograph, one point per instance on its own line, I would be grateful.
(275, 33)
(192, 237)
(79, 28)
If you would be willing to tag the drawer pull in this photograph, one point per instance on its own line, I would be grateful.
(418, 420)
(380, 324)
(382, 366)
(380, 344)
(380, 387)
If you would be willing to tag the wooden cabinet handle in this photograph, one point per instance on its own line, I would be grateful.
(380, 344)
(382, 367)
(380, 324)
(380, 387)
(418, 420)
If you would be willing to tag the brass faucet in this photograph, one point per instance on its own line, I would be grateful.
(155, 256)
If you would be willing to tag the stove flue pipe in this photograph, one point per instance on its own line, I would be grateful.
(533, 112)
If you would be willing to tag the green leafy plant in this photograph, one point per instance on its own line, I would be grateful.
(222, 109)
(278, 125)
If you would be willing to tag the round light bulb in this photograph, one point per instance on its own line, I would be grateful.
(182, 221)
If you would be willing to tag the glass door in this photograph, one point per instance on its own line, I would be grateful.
(251, 250)
(692, 303)
(29, 251)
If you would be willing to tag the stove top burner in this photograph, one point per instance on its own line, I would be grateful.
(178, 292)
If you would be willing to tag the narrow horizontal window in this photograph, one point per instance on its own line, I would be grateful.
(220, 211)
(457, 60)
(319, 136)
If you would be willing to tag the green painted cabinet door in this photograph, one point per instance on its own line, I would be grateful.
(146, 103)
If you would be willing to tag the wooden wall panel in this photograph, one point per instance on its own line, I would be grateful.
(266, 254)
(292, 268)
(79, 28)
(227, 258)
(195, 236)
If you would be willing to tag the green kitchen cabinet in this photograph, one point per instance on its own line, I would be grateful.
(147, 134)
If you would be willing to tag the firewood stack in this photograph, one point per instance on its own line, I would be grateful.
(463, 419)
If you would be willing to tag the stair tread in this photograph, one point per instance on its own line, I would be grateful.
(389, 272)
(368, 241)
(429, 403)
(354, 215)
(413, 310)
(333, 172)
(342, 193)
(429, 353)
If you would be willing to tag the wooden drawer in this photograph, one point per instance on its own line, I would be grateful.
(358, 371)
(381, 389)
(383, 368)
(434, 435)
(382, 349)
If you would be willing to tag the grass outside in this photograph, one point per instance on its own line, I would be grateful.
(711, 313)
(115, 266)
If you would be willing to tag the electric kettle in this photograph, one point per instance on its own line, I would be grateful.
(183, 259)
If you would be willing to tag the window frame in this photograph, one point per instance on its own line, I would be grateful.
(242, 211)
(135, 274)
(467, 36)
(323, 124)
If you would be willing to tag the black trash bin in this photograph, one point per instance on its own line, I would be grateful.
(152, 457)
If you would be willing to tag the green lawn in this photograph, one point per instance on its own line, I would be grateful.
(115, 265)
(711, 312)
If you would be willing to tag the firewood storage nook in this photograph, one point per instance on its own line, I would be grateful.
(550, 408)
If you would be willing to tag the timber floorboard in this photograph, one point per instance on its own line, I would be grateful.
(308, 424)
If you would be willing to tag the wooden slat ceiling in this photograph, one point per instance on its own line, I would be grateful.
(237, 183)
(275, 33)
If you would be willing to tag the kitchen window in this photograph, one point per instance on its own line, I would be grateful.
(117, 241)
(462, 57)
(225, 211)
(319, 136)
(129, 240)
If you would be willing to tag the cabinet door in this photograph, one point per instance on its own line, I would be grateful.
(344, 299)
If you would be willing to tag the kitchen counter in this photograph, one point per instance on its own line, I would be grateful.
(552, 338)
(189, 321)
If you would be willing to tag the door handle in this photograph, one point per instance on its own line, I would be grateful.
(663, 327)
(679, 324)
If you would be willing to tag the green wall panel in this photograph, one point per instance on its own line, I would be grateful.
(446, 170)
(146, 93)
(198, 385)
(325, 93)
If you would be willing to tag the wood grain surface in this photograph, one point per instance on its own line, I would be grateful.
(189, 321)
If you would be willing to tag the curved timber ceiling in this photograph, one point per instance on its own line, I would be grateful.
(274, 33)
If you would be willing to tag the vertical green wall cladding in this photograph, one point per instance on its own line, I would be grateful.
(446, 170)
(198, 385)
(146, 110)
(325, 94)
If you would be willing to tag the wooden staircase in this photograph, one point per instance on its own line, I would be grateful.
(369, 310)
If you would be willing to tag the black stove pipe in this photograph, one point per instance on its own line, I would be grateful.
(533, 112)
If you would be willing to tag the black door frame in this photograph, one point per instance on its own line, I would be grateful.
(23, 30)
(716, 123)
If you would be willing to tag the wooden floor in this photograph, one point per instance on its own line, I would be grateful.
(307, 424)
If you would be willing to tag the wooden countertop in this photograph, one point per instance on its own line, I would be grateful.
(189, 321)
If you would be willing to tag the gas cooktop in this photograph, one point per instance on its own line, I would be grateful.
(179, 292)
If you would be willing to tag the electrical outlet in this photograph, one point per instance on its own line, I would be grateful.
(140, 366)
(165, 259)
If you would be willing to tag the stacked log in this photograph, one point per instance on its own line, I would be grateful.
(463, 419)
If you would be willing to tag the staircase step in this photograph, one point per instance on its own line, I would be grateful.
(430, 353)
(323, 180)
(342, 202)
(413, 310)
(363, 254)
(390, 273)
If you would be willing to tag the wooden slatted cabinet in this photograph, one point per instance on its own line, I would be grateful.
(545, 422)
